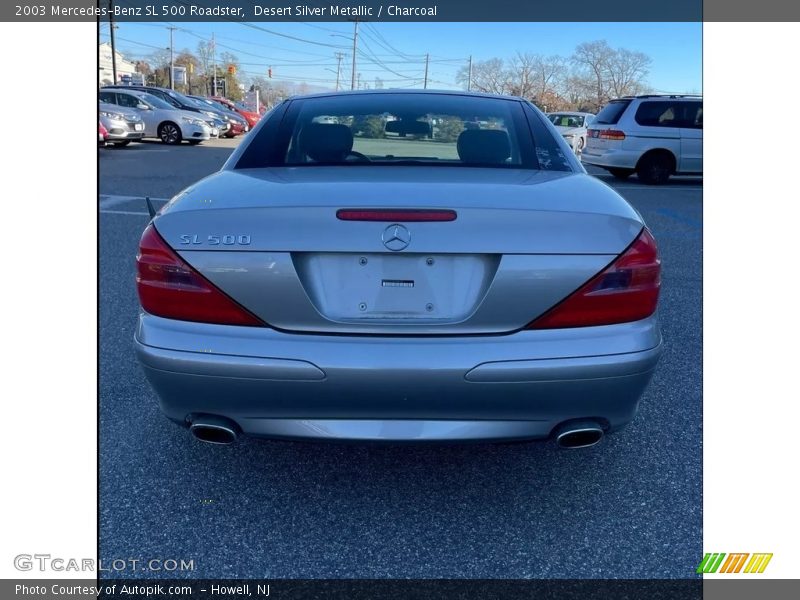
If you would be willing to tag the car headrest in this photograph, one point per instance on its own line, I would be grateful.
(326, 142)
(483, 146)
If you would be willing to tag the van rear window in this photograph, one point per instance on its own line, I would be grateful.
(611, 112)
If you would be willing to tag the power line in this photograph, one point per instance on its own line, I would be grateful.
(384, 43)
(265, 30)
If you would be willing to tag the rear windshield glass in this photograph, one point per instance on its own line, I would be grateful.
(402, 129)
(611, 112)
(567, 120)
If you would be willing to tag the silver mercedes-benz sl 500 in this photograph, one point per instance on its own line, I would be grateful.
(399, 266)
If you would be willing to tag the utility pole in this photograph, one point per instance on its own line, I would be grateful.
(355, 47)
(171, 60)
(339, 57)
(214, 63)
(427, 59)
(113, 45)
(469, 75)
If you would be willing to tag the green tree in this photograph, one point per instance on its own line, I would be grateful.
(449, 128)
(368, 126)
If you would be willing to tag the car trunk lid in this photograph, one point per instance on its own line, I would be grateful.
(275, 244)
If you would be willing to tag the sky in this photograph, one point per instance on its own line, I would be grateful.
(305, 51)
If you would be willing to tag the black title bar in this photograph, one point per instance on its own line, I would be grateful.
(401, 10)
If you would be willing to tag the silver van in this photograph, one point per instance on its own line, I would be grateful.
(654, 136)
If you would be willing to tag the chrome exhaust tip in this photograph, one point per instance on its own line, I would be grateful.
(214, 430)
(581, 434)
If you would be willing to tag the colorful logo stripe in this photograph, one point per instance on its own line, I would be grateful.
(713, 562)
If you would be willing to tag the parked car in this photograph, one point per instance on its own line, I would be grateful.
(123, 125)
(654, 136)
(572, 126)
(237, 125)
(251, 117)
(483, 287)
(180, 102)
(161, 120)
(102, 134)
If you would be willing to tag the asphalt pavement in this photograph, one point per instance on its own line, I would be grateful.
(630, 507)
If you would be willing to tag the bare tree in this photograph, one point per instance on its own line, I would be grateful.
(626, 72)
(523, 76)
(205, 56)
(593, 59)
(551, 71)
(599, 73)
(160, 63)
(487, 76)
(613, 72)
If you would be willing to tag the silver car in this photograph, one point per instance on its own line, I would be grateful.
(572, 126)
(474, 286)
(161, 120)
(123, 125)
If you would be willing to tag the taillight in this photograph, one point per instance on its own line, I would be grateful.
(611, 134)
(169, 287)
(625, 291)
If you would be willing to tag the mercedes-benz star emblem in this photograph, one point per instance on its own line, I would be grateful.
(396, 237)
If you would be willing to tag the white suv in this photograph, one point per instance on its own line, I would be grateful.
(653, 136)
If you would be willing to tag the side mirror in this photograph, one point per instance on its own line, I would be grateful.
(142, 107)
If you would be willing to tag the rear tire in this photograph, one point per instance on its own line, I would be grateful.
(579, 148)
(655, 168)
(621, 173)
(170, 133)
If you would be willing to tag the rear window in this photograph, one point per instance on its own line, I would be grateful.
(400, 129)
(611, 112)
(567, 120)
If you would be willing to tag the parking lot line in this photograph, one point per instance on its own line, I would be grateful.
(123, 212)
(109, 200)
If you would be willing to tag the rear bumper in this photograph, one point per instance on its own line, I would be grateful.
(613, 158)
(283, 385)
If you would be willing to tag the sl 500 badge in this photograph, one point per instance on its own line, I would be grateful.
(216, 240)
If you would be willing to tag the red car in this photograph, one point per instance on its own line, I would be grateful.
(236, 128)
(102, 134)
(251, 117)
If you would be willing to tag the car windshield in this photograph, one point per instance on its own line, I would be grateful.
(184, 100)
(154, 101)
(407, 128)
(560, 120)
(219, 105)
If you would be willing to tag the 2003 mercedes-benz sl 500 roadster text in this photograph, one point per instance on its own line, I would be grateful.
(399, 266)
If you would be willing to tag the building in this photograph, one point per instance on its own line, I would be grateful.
(106, 74)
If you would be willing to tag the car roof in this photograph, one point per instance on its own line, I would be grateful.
(572, 113)
(680, 97)
(409, 92)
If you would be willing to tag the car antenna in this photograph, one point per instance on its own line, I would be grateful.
(150, 208)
